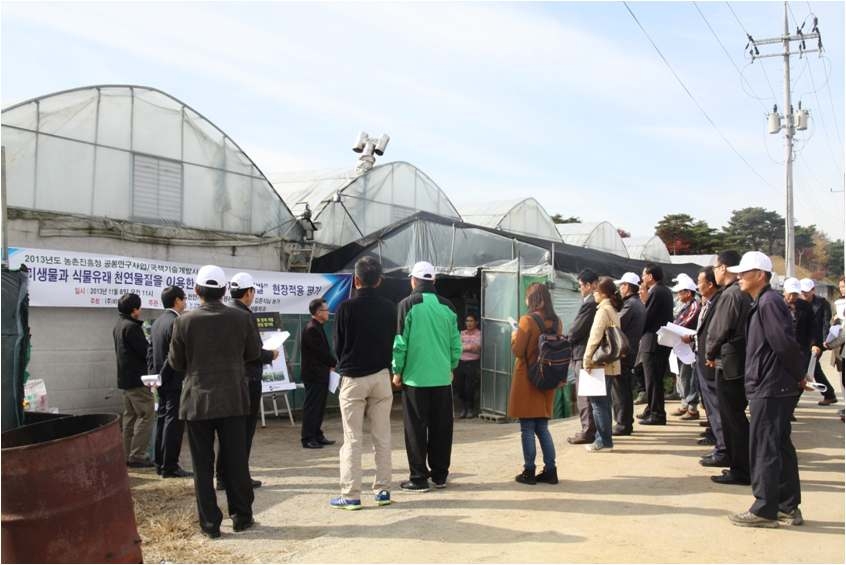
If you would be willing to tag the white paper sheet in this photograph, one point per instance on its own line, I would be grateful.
(684, 353)
(673, 363)
(809, 375)
(334, 381)
(833, 333)
(678, 330)
(592, 383)
(272, 341)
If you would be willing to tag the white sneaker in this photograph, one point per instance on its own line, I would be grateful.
(597, 447)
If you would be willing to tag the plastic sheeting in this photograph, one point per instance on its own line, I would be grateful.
(648, 249)
(136, 153)
(524, 216)
(15, 314)
(349, 207)
(601, 235)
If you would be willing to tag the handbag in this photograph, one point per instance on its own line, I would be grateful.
(614, 345)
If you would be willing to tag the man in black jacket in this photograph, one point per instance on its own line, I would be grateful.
(725, 351)
(317, 361)
(579, 334)
(365, 326)
(242, 289)
(212, 345)
(656, 358)
(138, 404)
(632, 319)
(822, 317)
(773, 379)
(170, 428)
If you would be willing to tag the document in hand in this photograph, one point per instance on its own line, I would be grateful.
(809, 375)
(272, 341)
(592, 383)
(334, 381)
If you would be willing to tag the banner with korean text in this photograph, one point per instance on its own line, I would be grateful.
(89, 280)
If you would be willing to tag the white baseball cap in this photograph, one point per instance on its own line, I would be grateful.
(630, 278)
(211, 276)
(807, 285)
(752, 261)
(682, 277)
(241, 281)
(685, 283)
(791, 285)
(423, 270)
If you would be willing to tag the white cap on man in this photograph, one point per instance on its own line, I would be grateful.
(630, 278)
(753, 261)
(423, 270)
(807, 285)
(682, 277)
(241, 281)
(685, 283)
(791, 285)
(211, 276)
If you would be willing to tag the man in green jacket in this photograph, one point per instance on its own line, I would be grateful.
(426, 350)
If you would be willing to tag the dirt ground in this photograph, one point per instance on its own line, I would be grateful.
(647, 501)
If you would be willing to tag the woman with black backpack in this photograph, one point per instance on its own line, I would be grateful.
(609, 303)
(527, 402)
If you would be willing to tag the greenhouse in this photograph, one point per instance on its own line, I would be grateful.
(347, 207)
(523, 216)
(601, 236)
(648, 249)
(135, 153)
(704, 260)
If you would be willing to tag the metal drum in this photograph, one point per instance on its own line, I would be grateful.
(65, 495)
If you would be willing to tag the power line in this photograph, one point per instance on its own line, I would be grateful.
(763, 68)
(693, 98)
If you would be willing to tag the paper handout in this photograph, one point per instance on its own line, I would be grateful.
(809, 376)
(592, 383)
(272, 341)
(334, 381)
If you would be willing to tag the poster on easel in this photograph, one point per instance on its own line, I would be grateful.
(275, 376)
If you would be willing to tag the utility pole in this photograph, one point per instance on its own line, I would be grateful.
(790, 122)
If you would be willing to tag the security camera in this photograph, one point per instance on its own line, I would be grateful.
(360, 142)
(381, 143)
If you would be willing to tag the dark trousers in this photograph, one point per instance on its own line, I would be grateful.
(708, 388)
(427, 415)
(467, 384)
(775, 468)
(655, 366)
(819, 376)
(169, 431)
(621, 399)
(233, 457)
(639, 380)
(585, 409)
(249, 428)
(314, 407)
(731, 402)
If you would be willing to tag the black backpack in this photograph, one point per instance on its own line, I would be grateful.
(554, 353)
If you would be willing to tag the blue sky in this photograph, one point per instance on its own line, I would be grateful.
(567, 102)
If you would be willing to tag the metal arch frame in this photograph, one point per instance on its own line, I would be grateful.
(535, 200)
(132, 88)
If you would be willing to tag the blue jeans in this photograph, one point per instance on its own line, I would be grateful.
(687, 386)
(529, 428)
(601, 406)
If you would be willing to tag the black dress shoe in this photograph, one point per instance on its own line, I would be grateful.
(324, 441)
(313, 445)
(577, 440)
(241, 525)
(653, 421)
(255, 483)
(615, 431)
(730, 479)
(706, 441)
(705, 424)
(712, 461)
(212, 534)
(643, 415)
(178, 473)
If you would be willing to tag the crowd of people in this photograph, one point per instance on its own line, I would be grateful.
(752, 347)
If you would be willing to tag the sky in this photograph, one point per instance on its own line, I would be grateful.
(567, 102)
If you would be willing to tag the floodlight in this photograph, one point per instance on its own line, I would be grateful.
(381, 143)
(360, 142)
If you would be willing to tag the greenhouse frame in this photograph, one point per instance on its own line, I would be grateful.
(601, 236)
(650, 248)
(525, 216)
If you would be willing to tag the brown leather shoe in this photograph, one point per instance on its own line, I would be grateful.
(578, 439)
(690, 415)
(827, 401)
(679, 411)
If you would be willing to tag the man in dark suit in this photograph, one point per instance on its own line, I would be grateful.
(632, 319)
(211, 346)
(317, 361)
(656, 358)
(725, 351)
(579, 334)
(707, 284)
(242, 289)
(170, 428)
(822, 316)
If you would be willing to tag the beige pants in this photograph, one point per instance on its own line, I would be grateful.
(369, 397)
(138, 418)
